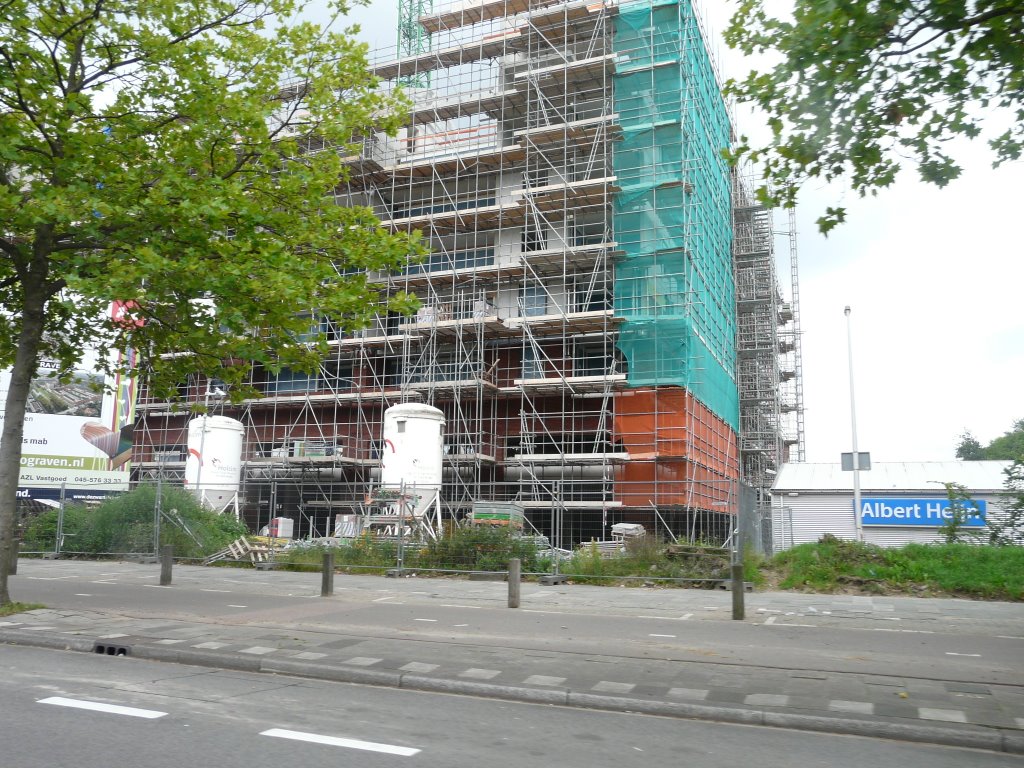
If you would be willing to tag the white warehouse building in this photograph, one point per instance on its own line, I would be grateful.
(901, 502)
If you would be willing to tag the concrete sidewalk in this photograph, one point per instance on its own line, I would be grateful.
(442, 643)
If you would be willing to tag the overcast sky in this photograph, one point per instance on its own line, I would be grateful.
(934, 279)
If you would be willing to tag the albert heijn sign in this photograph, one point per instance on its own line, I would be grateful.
(931, 512)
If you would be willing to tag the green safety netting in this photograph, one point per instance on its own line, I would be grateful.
(674, 287)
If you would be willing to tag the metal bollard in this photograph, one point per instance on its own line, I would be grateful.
(166, 562)
(327, 580)
(738, 588)
(514, 581)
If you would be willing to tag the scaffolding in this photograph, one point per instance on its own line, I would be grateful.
(769, 366)
(578, 317)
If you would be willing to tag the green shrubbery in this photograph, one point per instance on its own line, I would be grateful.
(646, 558)
(124, 525)
(956, 569)
(471, 548)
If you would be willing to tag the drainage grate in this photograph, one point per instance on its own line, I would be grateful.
(105, 649)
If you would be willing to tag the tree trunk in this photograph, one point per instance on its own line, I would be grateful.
(26, 361)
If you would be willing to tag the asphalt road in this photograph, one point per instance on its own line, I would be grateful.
(84, 711)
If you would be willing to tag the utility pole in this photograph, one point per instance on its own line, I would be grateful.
(853, 422)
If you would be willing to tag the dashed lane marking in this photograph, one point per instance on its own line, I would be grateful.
(652, 635)
(335, 741)
(96, 706)
(973, 655)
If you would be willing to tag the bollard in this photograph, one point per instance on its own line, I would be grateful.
(514, 581)
(327, 582)
(738, 588)
(166, 561)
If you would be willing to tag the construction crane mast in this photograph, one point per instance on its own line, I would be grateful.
(413, 40)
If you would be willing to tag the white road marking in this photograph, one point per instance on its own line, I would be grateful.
(335, 741)
(685, 616)
(103, 582)
(460, 625)
(382, 599)
(770, 620)
(237, 606)
(82, 594)
(433, 620)
(661, 635)
(96, 706)
(227, 591)
(451, 605)
(157, 586)
(112, 636)
(974, 655)
(1009, 637)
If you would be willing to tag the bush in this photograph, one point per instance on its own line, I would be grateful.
(476, 548)
(124, 525)
(957, 569)
(470, 548)
(648, 557)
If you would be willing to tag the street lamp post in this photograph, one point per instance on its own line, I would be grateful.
(853, 423)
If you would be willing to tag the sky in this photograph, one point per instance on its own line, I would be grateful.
(934, 279)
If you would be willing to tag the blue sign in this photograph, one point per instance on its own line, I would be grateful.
(924, 512)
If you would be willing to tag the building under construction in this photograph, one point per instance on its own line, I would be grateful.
(600, 317)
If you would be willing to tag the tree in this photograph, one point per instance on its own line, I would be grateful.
(1009, 528)
(862, 86)
(969, 449)
(1007, 447)
(958, 514)
(149, 155)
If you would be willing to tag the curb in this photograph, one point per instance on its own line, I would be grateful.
(970, 737)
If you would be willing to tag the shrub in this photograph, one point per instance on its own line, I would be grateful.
(124, 524)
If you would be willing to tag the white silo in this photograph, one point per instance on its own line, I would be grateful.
(213, 467)
(413, 442)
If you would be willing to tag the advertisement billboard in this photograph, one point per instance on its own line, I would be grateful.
(78, 433)
(931, 512)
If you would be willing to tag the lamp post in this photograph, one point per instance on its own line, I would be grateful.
(853, 423)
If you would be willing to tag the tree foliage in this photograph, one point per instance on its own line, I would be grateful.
(962, 508)
(1007, 447)
(969, 449)
(1009, 530)
(149, 155)
(862, 86)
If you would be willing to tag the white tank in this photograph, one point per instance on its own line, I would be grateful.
(214, 464)
(411, 453)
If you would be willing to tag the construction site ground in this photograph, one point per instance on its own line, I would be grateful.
(941, 671)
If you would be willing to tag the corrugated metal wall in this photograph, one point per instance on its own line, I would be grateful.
(804, 517)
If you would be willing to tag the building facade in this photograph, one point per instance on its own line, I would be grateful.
(902, 502)
(579, 322)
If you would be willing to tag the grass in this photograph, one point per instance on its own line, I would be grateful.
(12, 608)
(963, 570)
